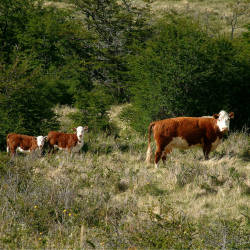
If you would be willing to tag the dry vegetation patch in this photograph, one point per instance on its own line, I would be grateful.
(107, 197)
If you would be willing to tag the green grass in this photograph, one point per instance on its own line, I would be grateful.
(107, 197)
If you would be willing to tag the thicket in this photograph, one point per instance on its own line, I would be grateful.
(92, 54)
(181, 70)
(116, 26)
(74, 56)
(33, 41)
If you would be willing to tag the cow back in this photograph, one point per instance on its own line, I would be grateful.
(192, 129)
(62, 140)
(25, 142)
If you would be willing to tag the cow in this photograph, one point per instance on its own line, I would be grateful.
(184, 132)
(70, 142)
(24, 143)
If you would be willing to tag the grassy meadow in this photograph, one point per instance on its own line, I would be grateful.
(217, 15)
(108, 197)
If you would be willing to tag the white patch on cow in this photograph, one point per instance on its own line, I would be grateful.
(80, 133)
(178, 142)
(22, 150)
(8, 150)
(74, 149)
(215, 143)
(55, 146)
(223, 121)
(148, 155)
(40, 141)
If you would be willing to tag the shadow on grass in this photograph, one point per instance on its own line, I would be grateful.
(245, 156)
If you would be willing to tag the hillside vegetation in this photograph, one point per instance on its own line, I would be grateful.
(107, 197)
(92, 54)
(116, 66)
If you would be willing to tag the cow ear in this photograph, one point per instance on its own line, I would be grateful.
(215, 116)
(231, 115)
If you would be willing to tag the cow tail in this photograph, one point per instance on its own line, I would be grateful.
(7, 142)
(148, 155)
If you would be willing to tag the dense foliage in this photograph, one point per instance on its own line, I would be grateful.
(91, 54)
(74, 56)
(24, 107)
(183, 71)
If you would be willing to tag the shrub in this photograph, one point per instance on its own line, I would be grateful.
(183, 71)
(24, 108)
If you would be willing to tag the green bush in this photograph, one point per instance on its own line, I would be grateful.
(183, 71)
(24, 108)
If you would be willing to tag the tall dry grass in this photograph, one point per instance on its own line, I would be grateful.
(107, 197)
(217, 16)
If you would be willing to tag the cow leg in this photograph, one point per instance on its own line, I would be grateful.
(51, 149)
(164, 155)
(158, 154)
(31, 155)
(69, 154)
(206, 150)
(12, 152)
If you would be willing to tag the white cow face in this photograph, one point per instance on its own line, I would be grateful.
(80, 132)
(40, 141)
(223, 120)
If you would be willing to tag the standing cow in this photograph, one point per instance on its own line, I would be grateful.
(70, 142)
(24, 143)
(183, 132)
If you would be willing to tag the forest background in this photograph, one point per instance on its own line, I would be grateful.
(92, 54)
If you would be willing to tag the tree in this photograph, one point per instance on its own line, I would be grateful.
(14, 15)
(183, 71)
(23, 106)
(116, 25)
(239, 9)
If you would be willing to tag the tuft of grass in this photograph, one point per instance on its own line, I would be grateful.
(107, 197)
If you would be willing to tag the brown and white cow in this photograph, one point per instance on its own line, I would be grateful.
(24, 143)
(70, 142)
(184, 132)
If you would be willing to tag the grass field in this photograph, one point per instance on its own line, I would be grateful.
(107, 197)
(216, 16)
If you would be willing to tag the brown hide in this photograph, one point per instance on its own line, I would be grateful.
(191, 131)
(62, 140)
(25, 142)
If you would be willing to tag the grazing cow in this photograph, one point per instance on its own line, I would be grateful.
(24, 143)
(183, 132)
(70, 142)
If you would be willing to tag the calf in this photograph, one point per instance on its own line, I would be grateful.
(70, 142)
(24, 143)
(183, 132)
